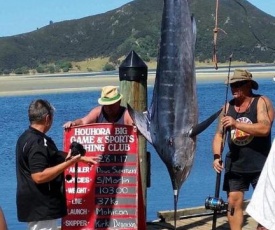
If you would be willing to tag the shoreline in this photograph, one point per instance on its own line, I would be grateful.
(49, 84)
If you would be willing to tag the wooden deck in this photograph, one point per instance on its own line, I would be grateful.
(197, 218)
(201, 223)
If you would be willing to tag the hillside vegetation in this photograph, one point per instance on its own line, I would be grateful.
(244, 31)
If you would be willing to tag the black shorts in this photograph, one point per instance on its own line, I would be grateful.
(240, 181)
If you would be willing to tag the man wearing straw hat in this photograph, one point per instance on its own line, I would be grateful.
(247, 119)
(109, 111)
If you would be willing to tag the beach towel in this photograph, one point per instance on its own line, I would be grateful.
(262, 204)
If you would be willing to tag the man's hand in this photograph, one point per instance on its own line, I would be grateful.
(228, 121)
(68, 124)
(218, 165)
(89, 160)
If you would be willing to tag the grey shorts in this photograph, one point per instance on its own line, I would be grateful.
(240, 181)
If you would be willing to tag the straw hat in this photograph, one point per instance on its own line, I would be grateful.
(242, 75)
(109, 95)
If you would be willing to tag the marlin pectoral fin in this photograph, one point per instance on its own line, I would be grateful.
(142, 122)
(203, 125)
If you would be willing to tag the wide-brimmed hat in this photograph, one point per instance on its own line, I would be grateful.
(242, 75)
(109, 95)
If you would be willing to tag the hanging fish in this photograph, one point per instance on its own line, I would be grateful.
(171, 124)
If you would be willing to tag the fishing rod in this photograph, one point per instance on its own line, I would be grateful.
(216, 203)
(218, 176)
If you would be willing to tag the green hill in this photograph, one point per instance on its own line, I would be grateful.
(136, 26)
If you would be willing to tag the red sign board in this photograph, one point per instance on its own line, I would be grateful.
(106, 194)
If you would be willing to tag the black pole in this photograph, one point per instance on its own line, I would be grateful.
(133, 74)
(217, 194)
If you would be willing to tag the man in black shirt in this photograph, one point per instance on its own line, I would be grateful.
(247, 119)
(40, 165)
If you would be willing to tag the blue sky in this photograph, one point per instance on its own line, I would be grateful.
(21, 16)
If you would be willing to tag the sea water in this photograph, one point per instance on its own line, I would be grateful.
(199, 185)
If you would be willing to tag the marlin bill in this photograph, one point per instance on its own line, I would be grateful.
(171, 124)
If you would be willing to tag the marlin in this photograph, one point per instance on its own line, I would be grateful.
(171, 124)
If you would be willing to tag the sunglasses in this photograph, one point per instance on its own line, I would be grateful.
(238, 84)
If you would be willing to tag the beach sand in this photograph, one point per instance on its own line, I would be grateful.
(47, 84)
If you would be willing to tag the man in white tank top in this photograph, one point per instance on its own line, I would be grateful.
(109, 111)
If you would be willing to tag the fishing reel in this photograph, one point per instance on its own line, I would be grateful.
(217, 204)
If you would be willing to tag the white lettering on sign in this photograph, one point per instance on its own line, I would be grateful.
(83, 180)
(79, 169)
(119, 170)
(119, 131)
(118, 147)
(76, 223)
(91, 131)
(107, 201)
(118, 224)
(110, 211)
(76, 211)
(116, 169)
(79, 190)
(112, 180)
(114, 158)
(100, 170)
(102, 224)
(83, 139)
(94, 148)
(113, 190)
(77, 201)
(119, 139)
(106, 195)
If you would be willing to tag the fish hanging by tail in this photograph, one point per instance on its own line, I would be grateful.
(171, 124)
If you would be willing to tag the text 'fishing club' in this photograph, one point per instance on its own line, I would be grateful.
(97, 139)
